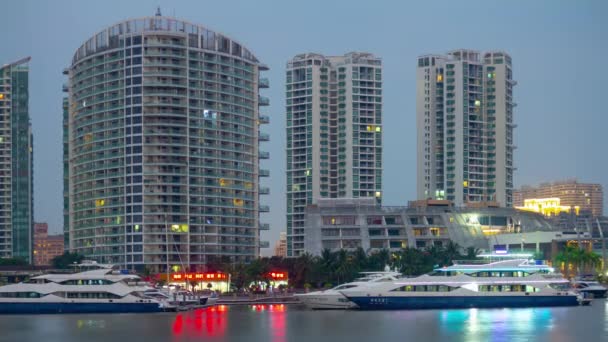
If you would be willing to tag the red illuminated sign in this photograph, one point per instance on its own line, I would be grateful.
(199, 276)
(278, 275)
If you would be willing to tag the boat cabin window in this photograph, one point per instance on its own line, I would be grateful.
(344, 287)
(425, 288)
(93, 295)
(495, 274)
(560, 287)
(86, 282)
(508, 288)
(20, 295)
(444, 273)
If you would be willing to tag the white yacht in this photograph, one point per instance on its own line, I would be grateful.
(334, 299)
(100, 289)
(589, 287)
(506, 283)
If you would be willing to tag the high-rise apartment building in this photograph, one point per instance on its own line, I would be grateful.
(334, 133)
(464, 115)
(16, 171)
(162, 146)
(569, 193)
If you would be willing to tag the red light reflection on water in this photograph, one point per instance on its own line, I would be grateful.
(209, 322)
(276, 316)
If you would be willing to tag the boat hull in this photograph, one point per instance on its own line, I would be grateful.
(599, 293)
(460, 302)
(75, 308)
(326, 301)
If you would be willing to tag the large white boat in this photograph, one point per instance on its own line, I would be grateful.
(99, 289)
(334, 299)
(507, 283)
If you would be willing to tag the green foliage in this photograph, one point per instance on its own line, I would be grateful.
(12, 262)
(342, 266)
(580, 259)
(65, 260)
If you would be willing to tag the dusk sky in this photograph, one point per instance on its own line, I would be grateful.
(558, 49)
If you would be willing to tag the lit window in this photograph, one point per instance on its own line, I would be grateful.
(378, 194)
(378, 129)
(465, 183)
(1, 96)
(440, 78)
(136, 227)
(238, 202)
(100, 202)
(477, 103)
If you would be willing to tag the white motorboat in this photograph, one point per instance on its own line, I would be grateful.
(589, 288)
(334, 299)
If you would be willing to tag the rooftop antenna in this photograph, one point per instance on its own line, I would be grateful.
(158, 14)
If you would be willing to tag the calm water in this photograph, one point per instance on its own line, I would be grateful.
(293, 323)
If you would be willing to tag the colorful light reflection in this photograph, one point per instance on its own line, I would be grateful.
(207, 322)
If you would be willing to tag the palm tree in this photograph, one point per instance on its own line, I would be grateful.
(452, 251)
(472, 253)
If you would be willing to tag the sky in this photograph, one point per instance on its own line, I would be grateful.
(557, 49)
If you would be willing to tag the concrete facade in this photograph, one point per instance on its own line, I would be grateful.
(464, 118)
(162, 130)
(353, 223)
(334, 133)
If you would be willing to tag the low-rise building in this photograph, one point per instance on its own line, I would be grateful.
(46, 246)
(352, 223)
(280, 247)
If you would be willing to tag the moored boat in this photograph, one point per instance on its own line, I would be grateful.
(334, 299)
(501, 284)
(101, 289)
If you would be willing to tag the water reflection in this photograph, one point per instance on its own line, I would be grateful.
(496, 324)
(207, 322)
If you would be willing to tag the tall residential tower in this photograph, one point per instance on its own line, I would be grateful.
(16, 171)
(464, 115)
(334, 133)
(162, 146)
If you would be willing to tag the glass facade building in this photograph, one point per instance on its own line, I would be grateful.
(334, 133)
(16, 172)
(161, 147)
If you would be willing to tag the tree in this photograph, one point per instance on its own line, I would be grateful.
(66, 259)
(13, 262)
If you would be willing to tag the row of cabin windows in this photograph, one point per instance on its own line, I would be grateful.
(486, 274)
(87, 282)
(518, 274)
(99, 295)
(507, 288)
(20, 295)
(425, 288)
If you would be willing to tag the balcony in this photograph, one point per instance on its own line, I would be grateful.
(263, 67)
(264, 244)
(263, 83)
(65, 88)
(264, 208)
(264, 226)
(66, 71)
(264, 137)
(263, 101)
(264, 173)
(264, 119)
(264, 190)
(264, 155)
